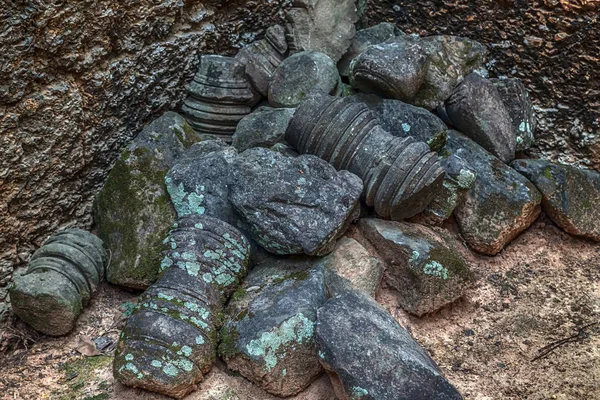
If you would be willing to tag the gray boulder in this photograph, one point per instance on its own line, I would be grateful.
(423, 264)
(293, 205)
(301, 73)
(477, 110)
(132, 211)
(501, 203)
(268, 334)
(368, 355)
(570, 195)
(265, 127)
(520, 108)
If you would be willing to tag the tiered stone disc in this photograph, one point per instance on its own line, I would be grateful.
(219, 96)
(400, 175)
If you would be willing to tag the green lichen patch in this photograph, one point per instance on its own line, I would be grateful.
(228, 345)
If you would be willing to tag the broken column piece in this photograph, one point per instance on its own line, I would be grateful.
(400, 175)
(60, 280)
(219, 96)
(170, 340)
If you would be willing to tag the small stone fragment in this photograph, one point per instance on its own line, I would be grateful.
(477, 110)
(293, 205)
(265, 127)
(501, 203)
(132, 211)
(299, 74)
(369, 356)
(422, 264)
(570, 195)
(268, 335)
(61, 277)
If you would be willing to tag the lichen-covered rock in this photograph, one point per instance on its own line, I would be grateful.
(170, 340)
(422, 264)
(402, 119)
(363, 39)
(265, 127)
(520, 108)
(268, 335)
(293, 205)
(198, 183)
(477, 110)
(301, 73)
(501, 203)
(369, 356)
(326, 26)
(352, 262)
(570, 195)
(61, 278)
(132, 211)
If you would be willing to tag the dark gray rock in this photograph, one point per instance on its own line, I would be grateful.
(268, 335)
(477, 110)
(170, 341)
(396, 70)
(369, 356)
(265, 127)
(132, 211)
(299, 74)
(326, 26)
(284, 149)
(61, 278)
(293, 205)
(423, 264)
(570, 195)
(520, 108)
(501, 203)
(405, 120)
(363, 39)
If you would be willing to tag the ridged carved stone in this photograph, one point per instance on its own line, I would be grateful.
(400, 175)
(60, 280)
(170, 340)
(219, 96)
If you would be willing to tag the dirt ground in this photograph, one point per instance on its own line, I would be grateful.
(544, 287)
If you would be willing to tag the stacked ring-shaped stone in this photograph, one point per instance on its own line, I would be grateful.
(219, 96)
(400, 175)
(61, 277)
(170, 340)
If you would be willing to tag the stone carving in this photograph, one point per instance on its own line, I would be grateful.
(170, 340)
(400, 175)
(60, 280)
(219, 96)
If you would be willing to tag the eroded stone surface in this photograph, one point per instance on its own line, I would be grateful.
(265, 127)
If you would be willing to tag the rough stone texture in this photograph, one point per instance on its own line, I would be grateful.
(501, 203)
(293, 205)
(133, 212)
(551, 45)
(369, 356)
(301, 73)
(423, 264)
(570, 195)
(268, 335)
(477, 110)
(402, 119)
(61, 278)
(78, 81)
(265, 127)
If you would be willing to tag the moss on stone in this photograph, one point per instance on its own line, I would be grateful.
(297, 276)
(80, 373)
(228, 345)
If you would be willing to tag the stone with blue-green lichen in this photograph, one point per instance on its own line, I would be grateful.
(501, 203)
(570, 195)
(133, 211)
(423, 264)
(369, 356)
(293, 205)
(170, 341)
(268, 336)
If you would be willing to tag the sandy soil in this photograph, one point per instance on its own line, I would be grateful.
(543, 287)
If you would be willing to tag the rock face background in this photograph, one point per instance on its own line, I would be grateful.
(78, 80)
